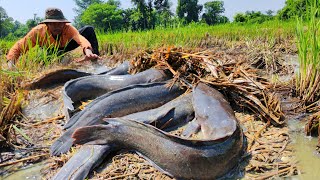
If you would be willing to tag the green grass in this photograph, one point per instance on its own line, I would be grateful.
(308, 43)
(195, 35)
(191, 36)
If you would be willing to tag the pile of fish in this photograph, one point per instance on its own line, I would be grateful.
(136, 113)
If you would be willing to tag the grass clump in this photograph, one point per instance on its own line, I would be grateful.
(308, 43)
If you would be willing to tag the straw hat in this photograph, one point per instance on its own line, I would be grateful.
(54, 15)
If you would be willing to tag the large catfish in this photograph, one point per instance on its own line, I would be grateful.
(118, 103)
(63, 75)
(216, 152)
(90, 87)
(176, 112)
(53, 78)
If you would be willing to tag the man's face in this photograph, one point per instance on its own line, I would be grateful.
(56, 27)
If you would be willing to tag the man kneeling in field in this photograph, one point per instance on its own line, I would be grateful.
(56, 31)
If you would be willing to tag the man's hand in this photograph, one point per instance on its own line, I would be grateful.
(88, 56)
(11, 65)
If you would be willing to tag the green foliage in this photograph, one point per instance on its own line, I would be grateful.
(252, 17)
(292, 9)
(38, 56)
(33, 22)
(103, 16)
(126, 18)
(81, 6)
(140, 19)
(145, 15)
(5, 45)
(11, 30)
(6, 23)
(163, 13)
(84, 4)
(162, 5)
(114, 3)
(212, 14)
(189, 10)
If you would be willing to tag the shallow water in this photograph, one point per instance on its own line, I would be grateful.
(304, 146)
(31, 172)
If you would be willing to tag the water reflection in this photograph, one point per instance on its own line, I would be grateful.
(304, 146)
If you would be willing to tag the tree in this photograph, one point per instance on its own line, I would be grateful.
(140, 17)
(162, 5)
(6, 23)
(126, 17)
(213, 10)
(240, 18)
(144, 15)
(223, 19)
(251, 17)
(114, 3)
(82, 5)
(103, 16)
(189, 10)
(19, 29)
(33, 22)
(293, 8)
(270, 13)
(163, 13)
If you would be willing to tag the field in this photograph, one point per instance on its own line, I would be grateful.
(266, 54)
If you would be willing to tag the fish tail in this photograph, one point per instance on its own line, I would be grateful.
(61, 146)
(72, 120)
(67, 102)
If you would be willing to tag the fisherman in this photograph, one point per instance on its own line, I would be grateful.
(56, 31)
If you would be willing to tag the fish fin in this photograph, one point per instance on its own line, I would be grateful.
(192, 128)
(61, 146)
(67, 101)
(162, 119)
(66, 114)
(168, 112)
(154, 164)
(72, 120)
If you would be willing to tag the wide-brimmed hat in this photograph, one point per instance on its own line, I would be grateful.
(54, 15)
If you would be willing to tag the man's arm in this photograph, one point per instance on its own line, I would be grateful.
(83, 43)
(15, 51)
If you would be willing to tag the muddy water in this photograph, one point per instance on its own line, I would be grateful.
(31, 172)
(304, 146)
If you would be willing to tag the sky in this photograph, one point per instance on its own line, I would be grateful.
(22, 10)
